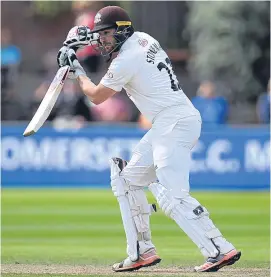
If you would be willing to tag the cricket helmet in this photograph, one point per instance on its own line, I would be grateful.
(113, 17)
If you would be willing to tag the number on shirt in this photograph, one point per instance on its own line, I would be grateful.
(168, 67)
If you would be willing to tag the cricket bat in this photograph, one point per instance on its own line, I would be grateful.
(48, 101)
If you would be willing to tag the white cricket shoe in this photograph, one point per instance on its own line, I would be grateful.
(146, 259)
(214, 264)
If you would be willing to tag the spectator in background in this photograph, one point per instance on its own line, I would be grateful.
(85, 12)
(72, 109)
(213, 108)
(114, 109)
(10, 61)
(263, 106)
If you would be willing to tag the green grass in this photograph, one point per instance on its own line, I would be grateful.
(84, 227)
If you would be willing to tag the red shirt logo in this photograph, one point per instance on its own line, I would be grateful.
(143, 42)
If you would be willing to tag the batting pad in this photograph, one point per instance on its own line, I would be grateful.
(193, 219)
(141, 211)
(118, 187)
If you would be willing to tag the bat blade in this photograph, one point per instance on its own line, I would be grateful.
(48, 102)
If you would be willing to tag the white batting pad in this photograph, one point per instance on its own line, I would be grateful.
(193, 219)
(118, 188)
(141, 211)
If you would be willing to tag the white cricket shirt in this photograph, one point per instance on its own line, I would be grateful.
(144, 70)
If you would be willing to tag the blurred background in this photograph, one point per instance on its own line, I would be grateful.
(220, 52)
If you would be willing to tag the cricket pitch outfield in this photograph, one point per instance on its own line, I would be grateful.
(54, 232)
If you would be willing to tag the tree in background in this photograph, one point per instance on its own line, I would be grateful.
(54, 8)
(50, 8)
(230, 43)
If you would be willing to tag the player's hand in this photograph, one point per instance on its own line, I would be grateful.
(76, 68)
(79, 37)
(62, 56)
(67, 56)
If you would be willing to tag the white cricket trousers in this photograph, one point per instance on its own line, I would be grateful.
(164, 153)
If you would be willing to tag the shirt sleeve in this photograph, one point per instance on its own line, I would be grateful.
(119, 73)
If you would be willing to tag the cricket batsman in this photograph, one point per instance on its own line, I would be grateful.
(161, 161)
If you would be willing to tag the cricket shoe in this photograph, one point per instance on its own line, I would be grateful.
(214, 264)
(146, 259)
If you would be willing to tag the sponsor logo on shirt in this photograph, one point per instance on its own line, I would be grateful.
(109, 74)
(143, 42)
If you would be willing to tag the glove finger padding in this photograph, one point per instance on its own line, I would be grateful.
(74, 64)
(78, 37)
(72, 58)
(62, 56)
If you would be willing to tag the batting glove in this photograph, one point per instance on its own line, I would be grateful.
(62, 56)
(67, 56)
(79, 37)
(76, 68)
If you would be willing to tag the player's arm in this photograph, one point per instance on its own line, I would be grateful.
(118, 75)
(96, 94)
(79, 37)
